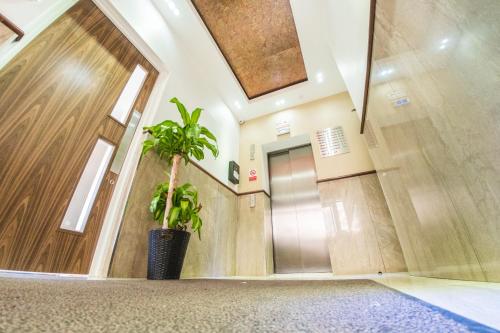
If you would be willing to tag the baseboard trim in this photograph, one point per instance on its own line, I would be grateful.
(4, 273)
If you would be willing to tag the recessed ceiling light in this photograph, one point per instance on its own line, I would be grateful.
(280, 102)
(238, 105)
(173, 8)
(319, 77)
(444, 43)
(386, 72)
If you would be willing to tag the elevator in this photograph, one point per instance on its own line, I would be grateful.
(299, 231)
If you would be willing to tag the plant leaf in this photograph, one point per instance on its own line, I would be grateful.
(173, 218)
(195, 116)
(193, 131)
(182, 110)
(147, 145)
(207, 133)
(184, 204)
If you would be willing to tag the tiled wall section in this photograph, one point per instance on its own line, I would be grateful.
(237, 238)
(254, 249)
(438, 156)
(362, 235)
(213, 256)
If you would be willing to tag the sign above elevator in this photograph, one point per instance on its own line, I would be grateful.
(332, 141)
(282, 127)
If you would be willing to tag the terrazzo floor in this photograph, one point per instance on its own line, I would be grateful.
(51, 305)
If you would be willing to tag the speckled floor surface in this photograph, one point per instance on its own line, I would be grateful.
(28, 305)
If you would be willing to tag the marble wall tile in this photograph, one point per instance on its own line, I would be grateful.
(254, 256)
(362, 237)
(237, 239)
(387, 239)
(442, 184)
(131, 248)
(226, 223)
(199, 257)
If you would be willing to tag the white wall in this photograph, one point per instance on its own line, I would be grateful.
(348, 25)
(24, 13)
(32, 17)
(216, 116)
(186, 81)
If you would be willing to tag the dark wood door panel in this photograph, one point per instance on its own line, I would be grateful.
(79, 250)
(55, 98)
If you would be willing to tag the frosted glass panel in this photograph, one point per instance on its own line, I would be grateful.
(121, 153)
(84, 196)
(129, 94)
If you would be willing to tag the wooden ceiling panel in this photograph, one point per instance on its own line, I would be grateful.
(259, 40)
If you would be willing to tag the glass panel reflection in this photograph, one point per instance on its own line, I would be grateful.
(129, 94)
(88, 186)
(121, 153)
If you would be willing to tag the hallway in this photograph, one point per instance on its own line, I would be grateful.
(249, 166)
(272, 305)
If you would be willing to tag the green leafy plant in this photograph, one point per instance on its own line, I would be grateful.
(174, 142)
(185, 207)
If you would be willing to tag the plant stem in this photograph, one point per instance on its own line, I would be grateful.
(171, 187)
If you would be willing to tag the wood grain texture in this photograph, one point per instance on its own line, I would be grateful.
(369, 54)
(5, 22)
(55, 98)
(259, 40)
(5, 33)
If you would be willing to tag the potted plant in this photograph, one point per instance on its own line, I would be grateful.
(175, 207)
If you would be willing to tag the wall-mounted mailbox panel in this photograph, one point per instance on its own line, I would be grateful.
(234, 172)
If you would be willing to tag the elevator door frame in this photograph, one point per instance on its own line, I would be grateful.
(269, 156)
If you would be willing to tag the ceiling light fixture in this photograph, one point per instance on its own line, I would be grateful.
(319, 77)
(444, 43)
(280, 102)
(387, 72)
(173, 8)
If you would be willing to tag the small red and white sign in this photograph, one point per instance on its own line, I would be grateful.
(252, 175)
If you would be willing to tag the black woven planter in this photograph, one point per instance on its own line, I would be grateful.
(167, 248)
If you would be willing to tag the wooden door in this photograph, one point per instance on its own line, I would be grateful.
(56, 97)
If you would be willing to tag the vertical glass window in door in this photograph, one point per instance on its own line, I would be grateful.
(129, 94)
(82, 201)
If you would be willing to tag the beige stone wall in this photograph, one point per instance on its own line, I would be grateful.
(254, 247)
(438, 157)
(237, 239)
(362, 237)
(213, 256)
(305, 119)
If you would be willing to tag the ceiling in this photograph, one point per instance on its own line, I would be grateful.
(258, 40)
(195, 43)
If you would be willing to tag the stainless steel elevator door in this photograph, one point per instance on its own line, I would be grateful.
(299, 232)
